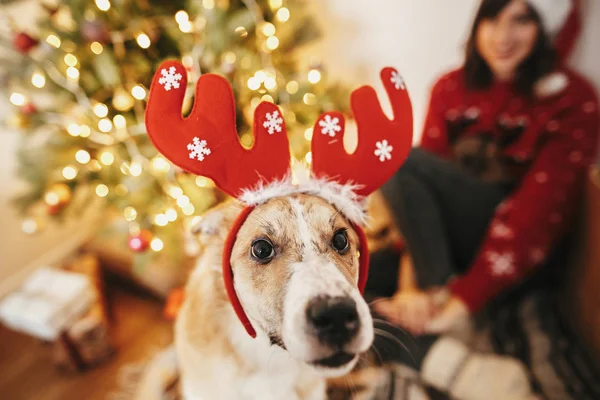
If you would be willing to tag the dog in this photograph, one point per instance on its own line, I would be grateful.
(312, 322)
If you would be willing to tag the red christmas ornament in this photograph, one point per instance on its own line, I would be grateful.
(95, 31)
(23, 42)
(28, 109)
(141, 242)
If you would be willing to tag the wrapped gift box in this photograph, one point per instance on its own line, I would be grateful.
(47, 303)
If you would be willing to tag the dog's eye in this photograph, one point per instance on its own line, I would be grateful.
(340, 241)
(262, 250)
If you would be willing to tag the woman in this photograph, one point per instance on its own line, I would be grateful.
(496, 181)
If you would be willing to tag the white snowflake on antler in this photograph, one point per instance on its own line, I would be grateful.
(170, 79)
(397, 80)
(198, 149)
(501, 264)
(383, 150)
(273, 122)
(330, 126)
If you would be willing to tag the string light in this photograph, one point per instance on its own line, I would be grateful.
(52, 198)
(96, 48)
(187, 61)
(102, 190)
(72, 73)
(122, 101)
(188, 209)
(268, 29)
(175, 192)
(119, 121)
(275, 4)
(143, 40)
(18, 99)
(161, 220)
(314, 76)
(292, 87)
(260, 75)
(38, 80)
(171, 214)
(103, 5)
(208, 4)
(253, 83)
(156, 244)
(229, 57)
(159, 164)
(135, 168)
(53, 41)
(70, 60)
(29, 226)
(85, 131)
(308, 157)
(74, 130)
(129, 213)
(267, 98)
(201, 181)
(138, 92)
(101, 110)
(105, 125)
(270, 83)
(181, 16)
(240, 30)
(309, 99)
(107, 158)
(183, 201)
(185, 27)
(308, 134)
(69, 172)
(272, 43)
(82, 157)
(283, 14)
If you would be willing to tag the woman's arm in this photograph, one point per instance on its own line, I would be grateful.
(529, 222)
(435, 137)
(407, 279)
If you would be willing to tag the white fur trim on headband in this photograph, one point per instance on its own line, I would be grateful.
(342, 197)
(554, 13)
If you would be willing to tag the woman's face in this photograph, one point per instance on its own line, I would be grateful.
(505, 41)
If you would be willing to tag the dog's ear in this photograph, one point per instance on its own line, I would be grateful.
(217, 221)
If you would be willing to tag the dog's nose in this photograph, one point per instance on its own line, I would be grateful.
(335, 319)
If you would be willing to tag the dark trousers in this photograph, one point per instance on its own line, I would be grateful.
(443, 214)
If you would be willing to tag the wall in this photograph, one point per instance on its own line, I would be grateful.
(421, 38)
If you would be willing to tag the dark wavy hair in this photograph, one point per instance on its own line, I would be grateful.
(540, 62)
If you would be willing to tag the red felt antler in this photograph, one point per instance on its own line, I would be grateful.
(206, 142)
(383, 144)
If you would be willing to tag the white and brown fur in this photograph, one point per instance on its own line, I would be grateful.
(218, 359)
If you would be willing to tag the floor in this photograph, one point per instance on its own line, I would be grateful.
(27, 372)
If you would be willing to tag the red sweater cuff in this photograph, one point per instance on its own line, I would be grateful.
(473, 289)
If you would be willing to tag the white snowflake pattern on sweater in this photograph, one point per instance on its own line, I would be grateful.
(273, 122)
(198, 149)
(330, 126)
(501, 264)
(499, 230)
(383, 150)
(170, 79)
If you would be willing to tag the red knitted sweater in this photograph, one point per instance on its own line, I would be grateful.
(541, 145)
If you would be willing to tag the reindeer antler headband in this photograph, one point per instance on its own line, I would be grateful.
(206, 143)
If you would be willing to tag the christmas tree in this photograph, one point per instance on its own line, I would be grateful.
(80, 83)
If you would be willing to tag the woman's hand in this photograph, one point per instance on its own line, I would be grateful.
(411, 309)
(453, 314)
